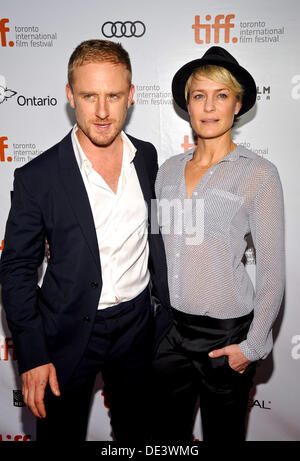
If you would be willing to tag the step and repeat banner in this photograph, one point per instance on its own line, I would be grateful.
(36, 41)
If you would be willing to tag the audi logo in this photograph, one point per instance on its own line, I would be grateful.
(123, 29)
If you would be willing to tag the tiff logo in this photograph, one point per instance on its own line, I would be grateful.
(14, 438)
(105, 399)
(186, 145)
(6, 345)
(4, 146)
(4, 29)
(222, 22)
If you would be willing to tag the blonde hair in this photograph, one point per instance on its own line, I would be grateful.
(217, 74)
(98, 51)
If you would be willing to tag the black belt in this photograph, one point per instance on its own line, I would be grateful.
(210, 322)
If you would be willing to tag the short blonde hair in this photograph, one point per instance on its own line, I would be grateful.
(217, 74)
(98, 51)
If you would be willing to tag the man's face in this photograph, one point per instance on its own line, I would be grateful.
(100, 95)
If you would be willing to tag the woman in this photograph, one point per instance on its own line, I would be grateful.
(222, 326)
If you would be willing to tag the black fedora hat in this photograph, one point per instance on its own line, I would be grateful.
(220, 57)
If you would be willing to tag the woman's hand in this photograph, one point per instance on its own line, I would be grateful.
(236, 359)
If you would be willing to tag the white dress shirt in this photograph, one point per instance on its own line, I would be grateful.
(121, 226)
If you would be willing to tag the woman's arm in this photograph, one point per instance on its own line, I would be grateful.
(267, 229)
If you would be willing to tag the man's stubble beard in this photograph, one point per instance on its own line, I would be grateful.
(102, 142)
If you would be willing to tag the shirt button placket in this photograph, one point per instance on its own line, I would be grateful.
(178, 252)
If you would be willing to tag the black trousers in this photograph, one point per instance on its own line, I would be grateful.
(120, 347)
(183, 372)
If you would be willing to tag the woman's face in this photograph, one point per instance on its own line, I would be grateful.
(212, 107)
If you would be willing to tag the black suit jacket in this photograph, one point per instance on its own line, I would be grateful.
(53, 323)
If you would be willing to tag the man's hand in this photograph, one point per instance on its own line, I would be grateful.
(236, 359)
(33, 387)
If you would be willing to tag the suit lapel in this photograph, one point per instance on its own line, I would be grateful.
(76, 191)
(141, 171)
(78, 197)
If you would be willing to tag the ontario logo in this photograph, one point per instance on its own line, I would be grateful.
(5, 93)
(209, 32)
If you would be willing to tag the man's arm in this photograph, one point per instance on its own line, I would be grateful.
(23, 253)
(24, 247)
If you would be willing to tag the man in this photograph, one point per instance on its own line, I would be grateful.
(89, 197)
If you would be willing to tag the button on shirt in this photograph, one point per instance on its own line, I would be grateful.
(205, 241)
(121, 224)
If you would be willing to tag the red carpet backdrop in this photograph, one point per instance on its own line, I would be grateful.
(36, 40)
